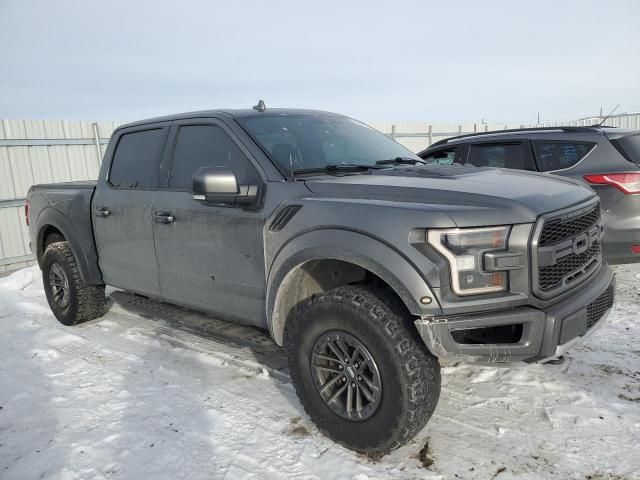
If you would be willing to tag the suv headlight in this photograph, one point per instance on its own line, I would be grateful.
(465, 249)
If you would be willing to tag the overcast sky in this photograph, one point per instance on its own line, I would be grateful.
(391, 60)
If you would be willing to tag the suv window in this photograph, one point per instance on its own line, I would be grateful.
(558, 155)
(200, 146)
(505, 155)
(630, 146)
(135, 161)
(443, 157)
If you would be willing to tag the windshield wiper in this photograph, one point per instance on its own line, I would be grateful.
(401, 161)
(337, 168)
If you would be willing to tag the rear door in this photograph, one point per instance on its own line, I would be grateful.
(210, 256)
(122, 210)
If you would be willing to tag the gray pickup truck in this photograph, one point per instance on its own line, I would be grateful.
(365, 263)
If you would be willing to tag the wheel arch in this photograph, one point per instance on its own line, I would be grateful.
(324, 259)
(51, 221)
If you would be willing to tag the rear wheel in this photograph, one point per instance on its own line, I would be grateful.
(360, 369)
(71, 300)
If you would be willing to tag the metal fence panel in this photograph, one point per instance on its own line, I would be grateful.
(41, 151)
(45, 151)
(624, 120)
(6, 177)
(417, 135)
(14, 242)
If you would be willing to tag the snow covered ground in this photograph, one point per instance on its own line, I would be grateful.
(151, 391)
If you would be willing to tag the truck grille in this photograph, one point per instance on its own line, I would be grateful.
(552, 276)
(568, 252)
(596, 309)
(556, 230)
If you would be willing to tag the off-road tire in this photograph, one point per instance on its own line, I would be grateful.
(85, 302)
(410, 374)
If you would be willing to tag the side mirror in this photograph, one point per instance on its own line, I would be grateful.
(220, 185)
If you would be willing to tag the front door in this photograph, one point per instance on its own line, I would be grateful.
(210, 257)
(122, 208)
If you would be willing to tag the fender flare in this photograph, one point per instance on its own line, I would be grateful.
(87, 261)
(352, 247)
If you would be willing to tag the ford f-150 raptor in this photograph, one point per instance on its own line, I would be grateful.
(365, 263)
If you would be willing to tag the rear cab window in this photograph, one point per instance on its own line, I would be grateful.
(501, 155)
(629, 146)
(136, 159)
(554, 155)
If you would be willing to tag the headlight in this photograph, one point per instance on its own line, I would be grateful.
(465, 249)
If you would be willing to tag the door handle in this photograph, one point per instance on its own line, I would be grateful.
(103, 211)
(164, 217)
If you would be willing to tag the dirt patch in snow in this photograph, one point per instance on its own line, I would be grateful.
(297, 429)
(424, 455)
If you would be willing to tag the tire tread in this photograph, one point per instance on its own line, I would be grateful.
(91, 300)
(421, 368)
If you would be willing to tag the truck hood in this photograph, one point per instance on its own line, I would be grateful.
(469, 195)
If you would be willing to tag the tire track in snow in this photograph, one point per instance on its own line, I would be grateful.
(128, 345)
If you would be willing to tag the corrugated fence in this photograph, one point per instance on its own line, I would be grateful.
(44, 151)
(38, 151)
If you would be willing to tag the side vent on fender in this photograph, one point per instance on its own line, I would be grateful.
(282, 217)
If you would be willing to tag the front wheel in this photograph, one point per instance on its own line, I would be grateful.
(71, 300)
(360, 369)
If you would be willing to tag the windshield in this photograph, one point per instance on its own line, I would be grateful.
(307, 142)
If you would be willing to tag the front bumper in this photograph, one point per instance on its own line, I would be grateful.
(545, 333)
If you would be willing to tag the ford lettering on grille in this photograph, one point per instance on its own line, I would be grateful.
(568, 251)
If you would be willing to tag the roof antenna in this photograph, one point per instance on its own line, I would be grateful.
(608, 115)
(260, 107)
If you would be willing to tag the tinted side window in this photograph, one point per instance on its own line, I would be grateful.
(200, 146)
(506, 155)
(558, 155)
(629, 146)
(443, 157)
(135, 161)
